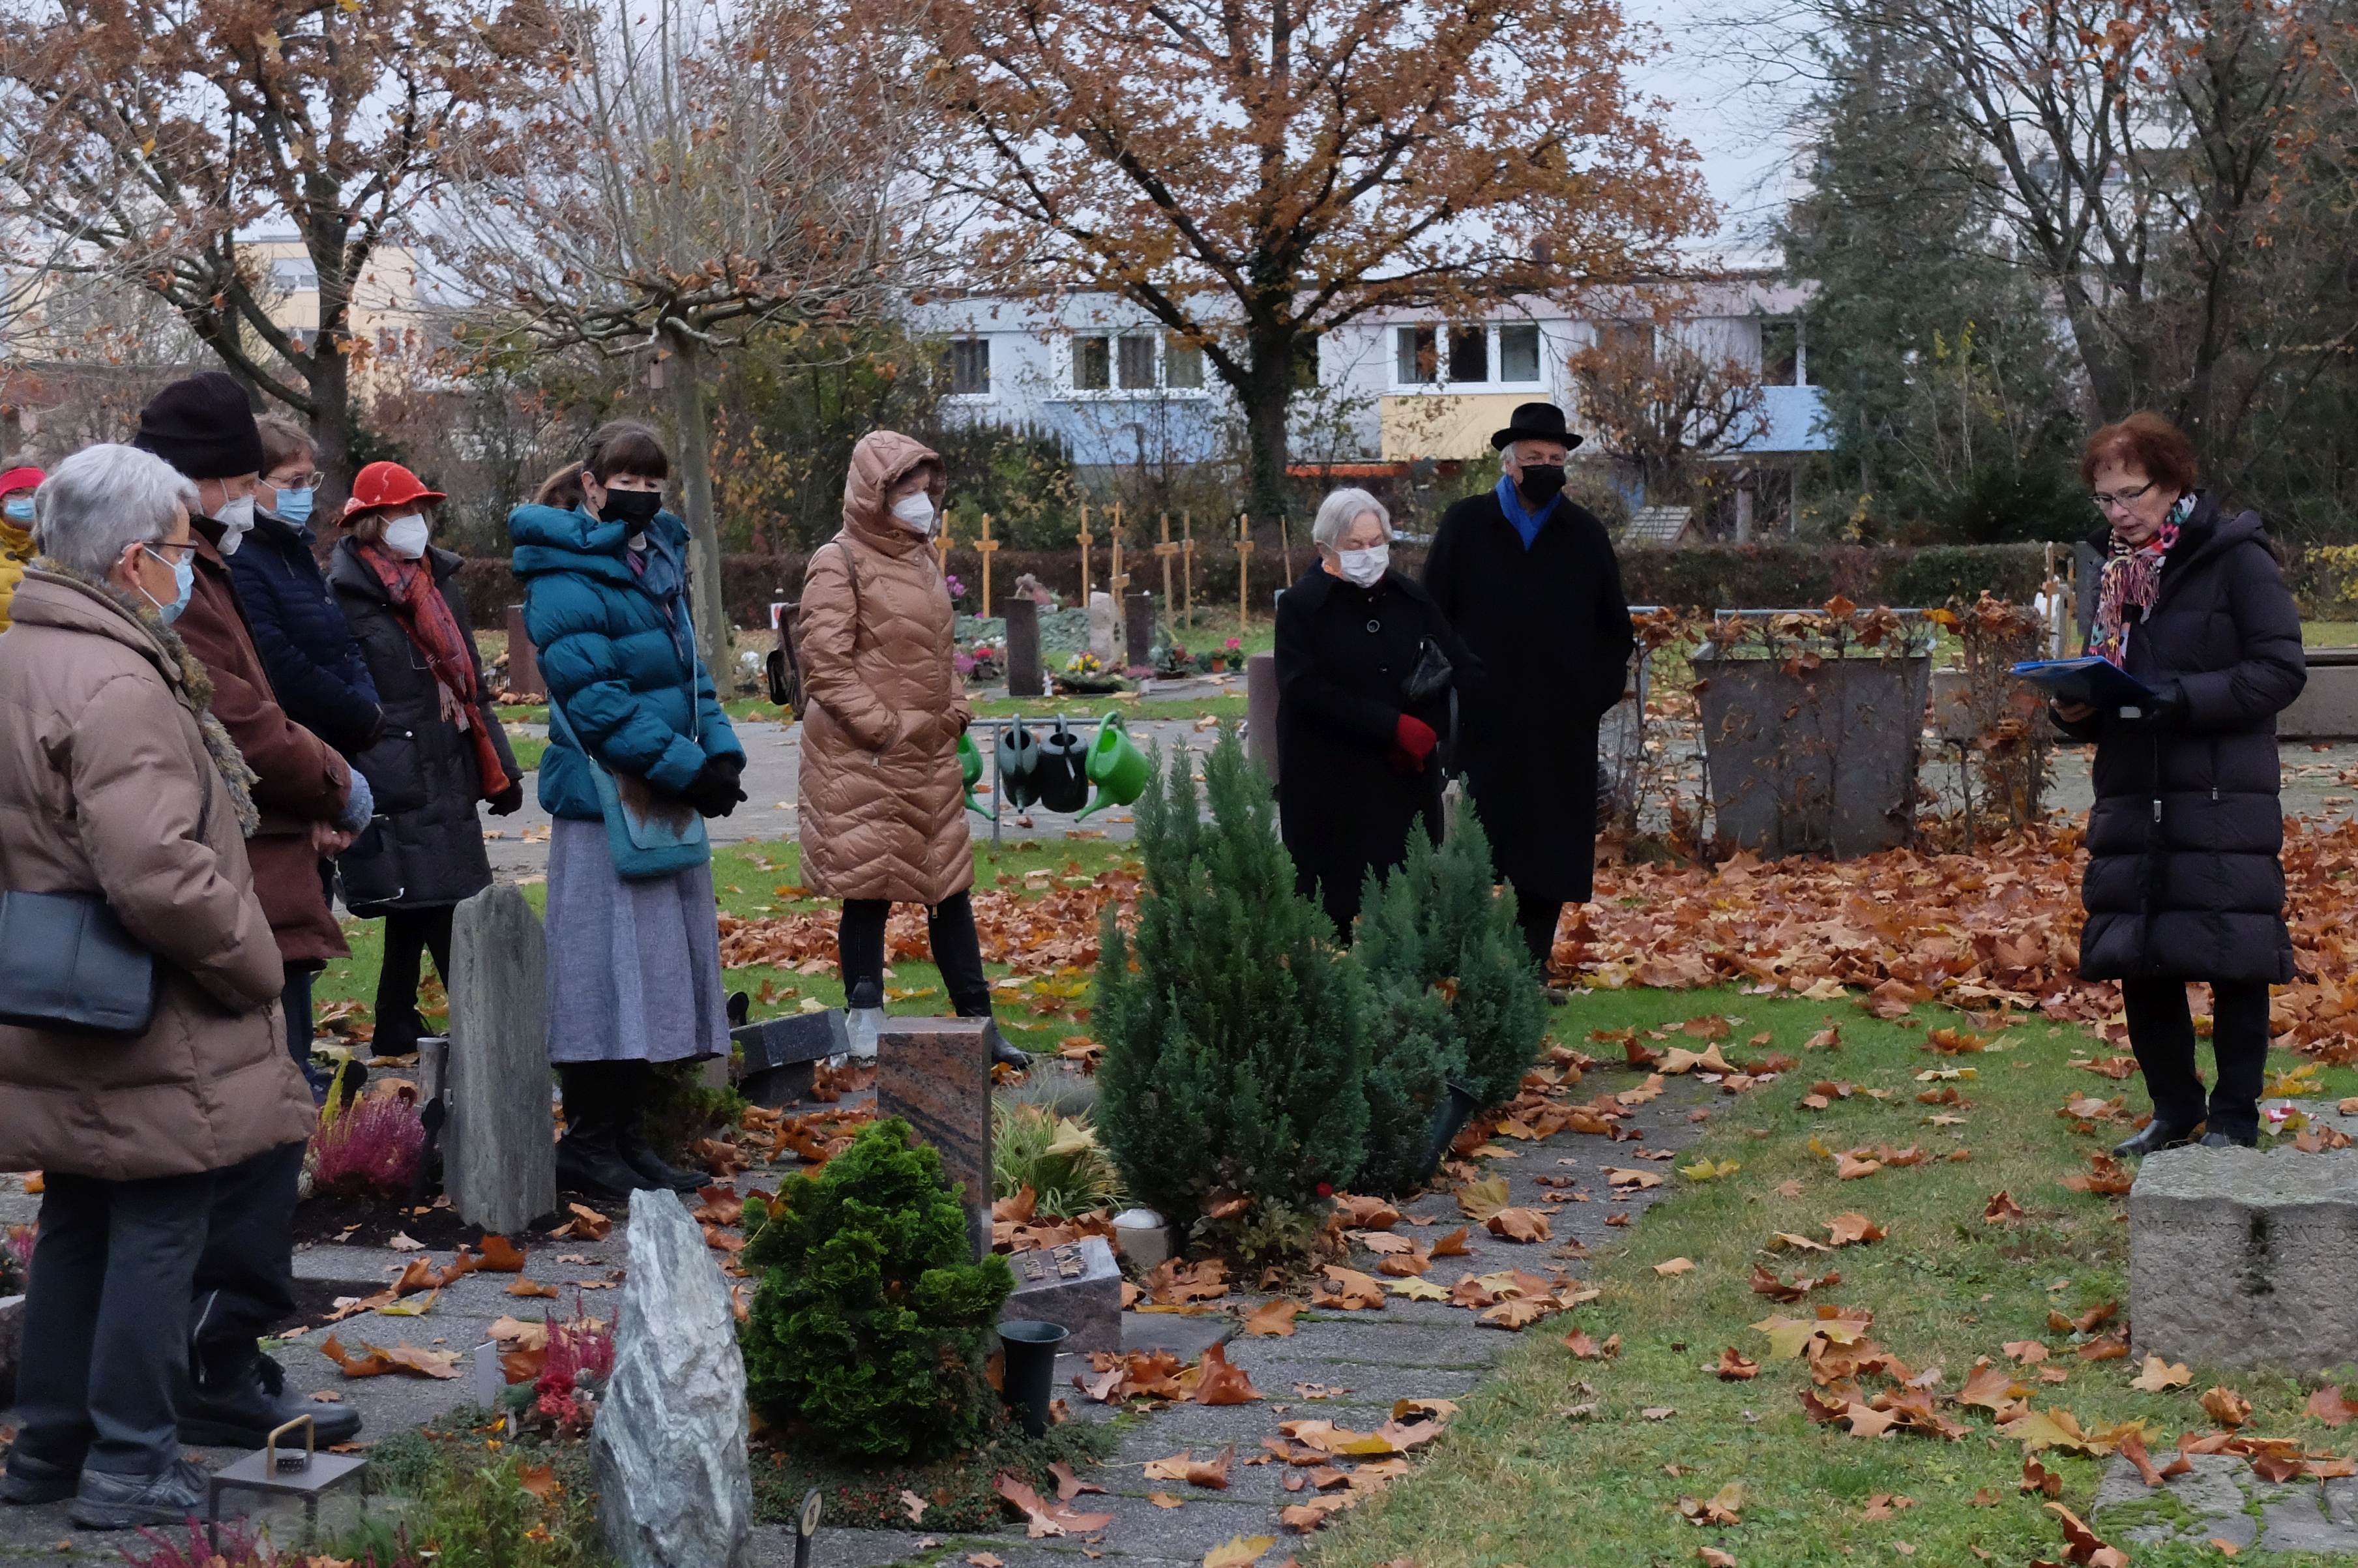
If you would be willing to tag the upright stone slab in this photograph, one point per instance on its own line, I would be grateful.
(1101, 620)
(524, 661)
(2243, 1258)
(1024, 675)
(1077, 1285)
(935, 1074)
(675, 1489)
(1260, 712)
(499, 1155)
(781, 1054)
(1138, 628)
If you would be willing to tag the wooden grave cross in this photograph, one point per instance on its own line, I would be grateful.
(1084, 556)
(988, 546)
(1244, 566)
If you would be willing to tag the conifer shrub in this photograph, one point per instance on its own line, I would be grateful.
(1235, 1035)
(1458, 997)
(870, 1326)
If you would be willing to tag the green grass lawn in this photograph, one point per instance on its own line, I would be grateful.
(755, 880)
(741, 709)
(1132, 707)
(1517, 1481)
(2329, 633)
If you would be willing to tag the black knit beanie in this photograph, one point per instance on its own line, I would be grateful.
(203, 427)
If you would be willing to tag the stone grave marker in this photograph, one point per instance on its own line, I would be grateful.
(2244, 1258)
(1024, 675)
(780, 1053)
(1101, 620)
(1077, 1285)
(499, 1157)
(675, 1489)
(524, 662)
(935, 1074)
(1139, 627)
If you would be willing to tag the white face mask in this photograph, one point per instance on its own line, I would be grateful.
(405, 535)
(236, 519)
(916, 513)
(1366, 567)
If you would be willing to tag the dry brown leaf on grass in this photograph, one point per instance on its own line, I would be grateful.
(1723, 1506)
(1713, 1557)
(2081, 1546)
(1990, 1387)
(2001, 1209)
(1675, 1266)
(1853, 1227)
(2024, 1351)
(2226, 1407)
(2329, 1406)
(1766, 1283)
(1587, 1350)
(1734, 1367)
(2088, 1322)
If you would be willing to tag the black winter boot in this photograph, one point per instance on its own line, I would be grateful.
(2156, 1136)
(237, 1397)
(587, 1159)
(649, 1168)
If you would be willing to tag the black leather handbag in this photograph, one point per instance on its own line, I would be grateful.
(1434, 678)
(72, 966)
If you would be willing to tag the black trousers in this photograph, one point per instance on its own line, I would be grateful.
(2161, 1032)
(958, 953)
(295, 999)
(244, 1280)
(410, 936)
(107, 1338)
(1539, 917)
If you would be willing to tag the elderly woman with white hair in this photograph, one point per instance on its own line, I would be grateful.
(124, 810)
(1365, 665)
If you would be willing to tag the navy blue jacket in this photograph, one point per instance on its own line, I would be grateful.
(306, 647)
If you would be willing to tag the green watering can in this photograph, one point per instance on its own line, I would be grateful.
(1116, 766)
(969, 770)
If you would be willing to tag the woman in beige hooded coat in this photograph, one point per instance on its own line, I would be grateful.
(882, 814)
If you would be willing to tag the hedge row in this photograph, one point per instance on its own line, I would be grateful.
(1708, 577)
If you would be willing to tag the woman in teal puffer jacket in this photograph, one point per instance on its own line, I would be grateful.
(633, 964)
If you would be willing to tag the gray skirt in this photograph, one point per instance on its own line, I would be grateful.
(633, 967)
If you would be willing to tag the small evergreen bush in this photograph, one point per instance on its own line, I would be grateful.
(1236, 1036)
(1457, 997)
(872, 1320)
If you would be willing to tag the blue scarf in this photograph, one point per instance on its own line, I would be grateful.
(1527, 523)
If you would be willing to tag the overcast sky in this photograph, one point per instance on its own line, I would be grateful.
(1719, 103)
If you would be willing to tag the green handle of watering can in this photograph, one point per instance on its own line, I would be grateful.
(969, 770)
(1116, 766)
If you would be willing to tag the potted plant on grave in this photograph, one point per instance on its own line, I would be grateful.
(988, 664)
(1811, 725)
(1086, 674)
(1175, 662)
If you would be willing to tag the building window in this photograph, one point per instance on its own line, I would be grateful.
(1469, 353)
(1518, 353)
(1183, 364)
(970, 367)
(1092, 364)
(1417, 361)
(1136, 362)
(1781, 352)
(293, 276)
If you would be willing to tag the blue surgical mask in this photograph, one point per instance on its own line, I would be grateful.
(19, 509)
(184, 582)
(294, 506)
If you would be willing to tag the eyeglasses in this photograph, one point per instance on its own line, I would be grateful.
(2106, 501)
(157, 551)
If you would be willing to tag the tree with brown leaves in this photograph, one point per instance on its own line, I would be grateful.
(140, 142)
(1256, 173)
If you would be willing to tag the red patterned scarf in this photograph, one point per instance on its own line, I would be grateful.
(449, 651)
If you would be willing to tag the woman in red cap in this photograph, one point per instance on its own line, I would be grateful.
(16, 487)
(442, 750)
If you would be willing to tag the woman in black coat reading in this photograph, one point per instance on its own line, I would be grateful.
(1364, 664)
(2184, 882)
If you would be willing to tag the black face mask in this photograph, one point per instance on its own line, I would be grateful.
(1540, 481)
(633, 509)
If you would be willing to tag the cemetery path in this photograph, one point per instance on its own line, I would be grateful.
(1353, 1365)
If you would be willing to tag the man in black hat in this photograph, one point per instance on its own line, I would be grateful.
(1529, 580)
(311, 798)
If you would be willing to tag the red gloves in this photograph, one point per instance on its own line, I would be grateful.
(1412, 743)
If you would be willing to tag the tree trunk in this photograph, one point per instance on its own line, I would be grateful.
(685, 378)
(1267, 395)
(333, 426)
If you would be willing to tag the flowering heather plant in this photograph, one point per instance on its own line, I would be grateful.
(372, 1145)
(957, 588)
(580, 1359)
(15, 1259)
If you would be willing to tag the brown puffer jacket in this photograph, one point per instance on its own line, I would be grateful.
(300, 778)
(882, 811)
(106, 786)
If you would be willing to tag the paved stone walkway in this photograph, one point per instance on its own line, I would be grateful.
(2222, 1499)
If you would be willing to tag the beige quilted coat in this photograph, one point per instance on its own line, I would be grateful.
(882, 812)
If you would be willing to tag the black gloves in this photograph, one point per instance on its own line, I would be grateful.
(2169, 711)
(713, 791)
(509, 801)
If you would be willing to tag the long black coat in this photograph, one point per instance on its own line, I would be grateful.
(423, 770)
(1551, 629)
(1343, 655)
(2183, 878)
(315, 666)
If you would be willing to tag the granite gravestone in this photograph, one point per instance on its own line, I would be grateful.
(1077, 1285)
(781, 1054)
(674, 1487)
(1101, 620)
(1024, 675)
(1139, 629)
(935, 1074)
(498, 1156)
(2245, 1260)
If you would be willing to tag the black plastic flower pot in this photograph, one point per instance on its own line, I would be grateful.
(1029, 1369)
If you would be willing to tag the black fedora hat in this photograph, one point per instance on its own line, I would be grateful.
(1535, 422)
